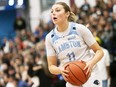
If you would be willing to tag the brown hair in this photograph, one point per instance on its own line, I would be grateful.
(72, 16)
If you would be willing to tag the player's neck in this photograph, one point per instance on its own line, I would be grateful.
(62, 27)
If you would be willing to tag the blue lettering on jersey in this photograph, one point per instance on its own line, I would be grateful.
(67, 45)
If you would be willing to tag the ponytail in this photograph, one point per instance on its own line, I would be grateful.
(72, 17)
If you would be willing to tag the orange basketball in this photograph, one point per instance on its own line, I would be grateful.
(77, 74)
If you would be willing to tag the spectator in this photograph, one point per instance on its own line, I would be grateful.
(19, 23)
(85, 7)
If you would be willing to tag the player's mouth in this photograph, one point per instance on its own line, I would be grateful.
(54, 18)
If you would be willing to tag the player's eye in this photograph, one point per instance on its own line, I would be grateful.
(51, 11)
(57, 10)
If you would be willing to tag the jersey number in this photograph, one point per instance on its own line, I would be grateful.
(71, 56)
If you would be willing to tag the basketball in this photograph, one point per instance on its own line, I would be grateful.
(77, 74)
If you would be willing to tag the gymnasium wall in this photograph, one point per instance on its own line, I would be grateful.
(7, 18)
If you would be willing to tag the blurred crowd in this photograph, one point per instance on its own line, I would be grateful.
(23, 60)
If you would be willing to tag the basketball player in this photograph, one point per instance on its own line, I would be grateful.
(70, 41)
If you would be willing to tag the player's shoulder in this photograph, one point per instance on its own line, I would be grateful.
(78, 25)
(49, 35)
(81, 26)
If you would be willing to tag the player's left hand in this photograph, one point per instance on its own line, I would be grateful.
(89, 67)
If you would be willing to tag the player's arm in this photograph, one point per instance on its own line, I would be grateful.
(52, 65)
(51, 56)
(98, 53)
(52, 59)
(91, 42)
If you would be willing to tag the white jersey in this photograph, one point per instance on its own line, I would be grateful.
(72, 44)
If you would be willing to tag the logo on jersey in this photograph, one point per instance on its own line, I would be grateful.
(96, 82)
(72, 37)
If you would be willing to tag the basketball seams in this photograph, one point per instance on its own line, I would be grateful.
(74, 75)
(81, 70)
(77, 75)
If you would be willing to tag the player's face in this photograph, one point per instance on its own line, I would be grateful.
(58, 14)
